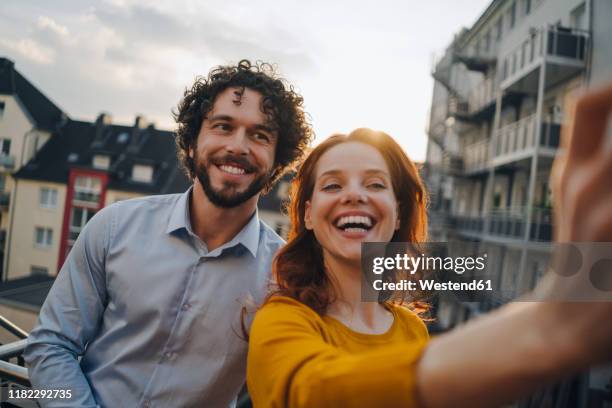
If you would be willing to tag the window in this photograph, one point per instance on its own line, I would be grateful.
(2, 105)
(487, 40)
(101, 162)
(78, 219)
(48, 197)
(87, 189)
(5, 146)
(498, 29)
(527, 6)
(43, 237)
(39, 270)
(2, 182)
(142, 173)
(513, 15)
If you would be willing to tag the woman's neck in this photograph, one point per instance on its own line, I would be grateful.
(348, 308)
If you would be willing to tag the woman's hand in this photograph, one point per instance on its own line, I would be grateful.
(522, 346)
(582, 191)
(582, 172)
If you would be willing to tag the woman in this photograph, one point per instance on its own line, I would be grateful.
(315, 344)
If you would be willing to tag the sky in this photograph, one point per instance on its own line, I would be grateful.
(357, 63)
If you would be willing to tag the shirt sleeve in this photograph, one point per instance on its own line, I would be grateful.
(70, 317)
(291, 365)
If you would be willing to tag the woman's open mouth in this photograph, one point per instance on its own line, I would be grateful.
(355, 223)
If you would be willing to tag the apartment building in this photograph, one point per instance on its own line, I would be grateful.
(499, 95)
(28, 118)
(500, 92)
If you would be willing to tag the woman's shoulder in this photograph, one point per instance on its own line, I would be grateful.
(409, 319)
(284, 308)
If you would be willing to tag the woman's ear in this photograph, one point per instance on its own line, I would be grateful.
(307, 218)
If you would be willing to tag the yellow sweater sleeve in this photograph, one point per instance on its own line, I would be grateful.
(290, 364)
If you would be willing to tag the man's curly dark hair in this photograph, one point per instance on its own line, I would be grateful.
(281, 103)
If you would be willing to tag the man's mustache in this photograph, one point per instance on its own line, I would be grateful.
(240, 161)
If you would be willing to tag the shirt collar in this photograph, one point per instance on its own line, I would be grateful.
(180, 219)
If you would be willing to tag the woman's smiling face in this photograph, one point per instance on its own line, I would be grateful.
(352, 201)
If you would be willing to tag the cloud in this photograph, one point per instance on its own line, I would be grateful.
(31, 50)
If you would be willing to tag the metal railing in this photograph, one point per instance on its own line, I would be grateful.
(521, 136)
(555, 41)
(516, 137)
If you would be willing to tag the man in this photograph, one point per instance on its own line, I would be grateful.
(146, 309)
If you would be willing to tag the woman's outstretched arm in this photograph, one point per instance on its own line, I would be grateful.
(511, 352)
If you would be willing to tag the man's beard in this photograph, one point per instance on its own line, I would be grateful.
(228, 197)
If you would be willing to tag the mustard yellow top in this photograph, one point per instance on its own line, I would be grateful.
(300, 359)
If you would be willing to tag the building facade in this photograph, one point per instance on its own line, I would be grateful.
(27, 120)
(500, 93)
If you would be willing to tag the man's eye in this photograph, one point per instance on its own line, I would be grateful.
(222, 126)
(262, 136)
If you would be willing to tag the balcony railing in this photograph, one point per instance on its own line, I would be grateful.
(469, 223)
(13, 374)
(476, 156)
(508, 222)
(516, 137)
(511, 222)
(553, 41)
(521, 136)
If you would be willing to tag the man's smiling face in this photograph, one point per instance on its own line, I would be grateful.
(234, 154)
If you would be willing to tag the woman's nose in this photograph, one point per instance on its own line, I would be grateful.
(354, 195)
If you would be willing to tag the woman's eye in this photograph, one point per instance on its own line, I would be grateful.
(378, 186)
(331, 186)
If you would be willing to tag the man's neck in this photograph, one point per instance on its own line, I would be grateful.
(216, 225)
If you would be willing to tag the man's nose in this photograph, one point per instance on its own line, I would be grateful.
(237, 143)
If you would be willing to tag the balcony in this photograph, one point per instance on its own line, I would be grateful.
(479, 58)
(7, 161)
(518, 140)
(469, 224)
(476, 157)
(511, 223)
(508, 222)
(563, 49)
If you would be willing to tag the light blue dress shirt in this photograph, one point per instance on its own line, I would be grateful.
(143, 315)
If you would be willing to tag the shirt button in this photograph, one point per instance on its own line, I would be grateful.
(146, 404)
(168, 355)
(186, 306)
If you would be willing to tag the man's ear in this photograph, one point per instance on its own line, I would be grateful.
(307, 218)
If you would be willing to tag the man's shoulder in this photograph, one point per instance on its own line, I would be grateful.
(152, 202)
(268, 236)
